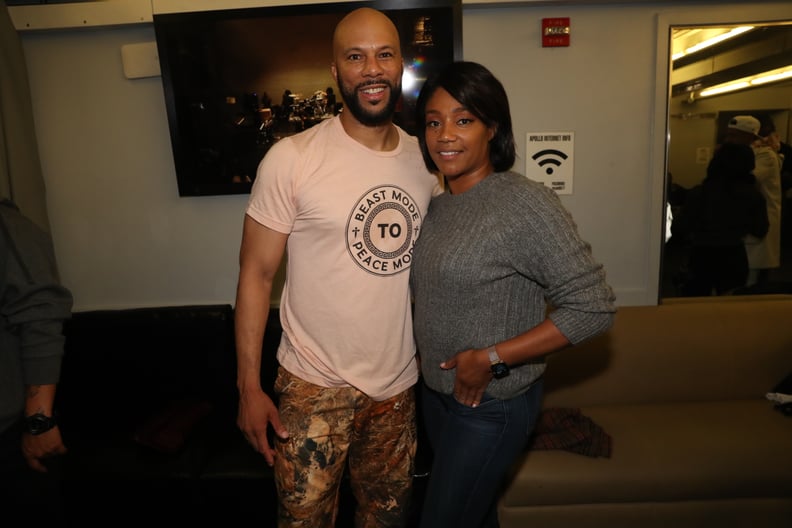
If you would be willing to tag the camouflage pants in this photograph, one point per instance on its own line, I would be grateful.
(330, 427)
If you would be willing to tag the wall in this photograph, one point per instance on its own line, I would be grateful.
(124, 238)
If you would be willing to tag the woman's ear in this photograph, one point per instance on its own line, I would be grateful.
(492, 131)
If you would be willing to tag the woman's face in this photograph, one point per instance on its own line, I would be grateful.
(457, 141)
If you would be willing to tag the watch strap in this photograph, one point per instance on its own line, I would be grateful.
(39, 423)
(498, 367)
(493, 355)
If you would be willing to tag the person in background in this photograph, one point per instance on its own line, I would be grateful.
(764, 254)
(675, 198)
(286, 98)
(718, 214)
(33, 307)
(266, 100)
(785, 152)
(330, 105)
(346, 199)
(501, 278)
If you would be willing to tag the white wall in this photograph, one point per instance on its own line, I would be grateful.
(124, 238)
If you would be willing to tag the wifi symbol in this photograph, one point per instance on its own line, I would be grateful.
(548, 157)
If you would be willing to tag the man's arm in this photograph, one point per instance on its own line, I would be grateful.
(260, 256)
(40, 399)
(34, 304)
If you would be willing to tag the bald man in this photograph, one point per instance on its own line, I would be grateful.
(344, 200)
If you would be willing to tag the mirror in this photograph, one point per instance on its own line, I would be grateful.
(719, 77)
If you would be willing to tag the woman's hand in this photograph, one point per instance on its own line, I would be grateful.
(473, 374)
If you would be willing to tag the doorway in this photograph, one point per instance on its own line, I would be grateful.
(696, 119)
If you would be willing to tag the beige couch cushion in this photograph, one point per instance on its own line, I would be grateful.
(667, 452)
(722, 513)
(694, 351)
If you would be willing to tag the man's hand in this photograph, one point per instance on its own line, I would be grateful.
(256, 412)
(473, 374)
(36, 448)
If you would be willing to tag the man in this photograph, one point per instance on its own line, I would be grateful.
(33, 306)
(346, 198)
(764, 253)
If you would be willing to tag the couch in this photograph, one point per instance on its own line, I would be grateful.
(147, 407)
(680, 390)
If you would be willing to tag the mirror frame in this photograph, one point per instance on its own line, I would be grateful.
(660, 119)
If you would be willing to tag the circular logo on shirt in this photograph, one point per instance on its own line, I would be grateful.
(382, 229)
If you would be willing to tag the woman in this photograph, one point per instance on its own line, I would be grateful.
(500, 278)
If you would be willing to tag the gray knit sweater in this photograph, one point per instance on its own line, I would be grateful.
(486, 266)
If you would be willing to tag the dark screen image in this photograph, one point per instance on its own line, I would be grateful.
(238, 81)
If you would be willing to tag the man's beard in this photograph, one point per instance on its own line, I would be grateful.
(360, 110)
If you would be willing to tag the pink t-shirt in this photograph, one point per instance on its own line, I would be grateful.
(353, 215)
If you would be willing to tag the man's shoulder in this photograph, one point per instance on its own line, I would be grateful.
(308, 138)
(291, 149)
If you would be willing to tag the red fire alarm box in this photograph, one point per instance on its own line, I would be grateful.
(555, 32)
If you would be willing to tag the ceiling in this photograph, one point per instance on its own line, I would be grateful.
(763, 48)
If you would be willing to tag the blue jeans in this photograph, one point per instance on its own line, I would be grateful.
(474, 449)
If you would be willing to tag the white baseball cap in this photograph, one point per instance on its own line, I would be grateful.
(745, 123)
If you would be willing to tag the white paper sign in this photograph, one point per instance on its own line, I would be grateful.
(549, 159)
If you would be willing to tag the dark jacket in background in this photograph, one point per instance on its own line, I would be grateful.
(33, 306)
(715, 218)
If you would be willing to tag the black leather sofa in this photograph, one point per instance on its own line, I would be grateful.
(147, 406)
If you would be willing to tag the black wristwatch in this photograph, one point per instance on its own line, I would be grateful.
(497, 366)
(39, 423)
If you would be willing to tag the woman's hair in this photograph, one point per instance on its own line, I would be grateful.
(483, 95)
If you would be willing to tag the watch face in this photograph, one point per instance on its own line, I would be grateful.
(38, 423)
(500, 370)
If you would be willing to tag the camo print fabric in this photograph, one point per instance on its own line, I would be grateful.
(327, 427)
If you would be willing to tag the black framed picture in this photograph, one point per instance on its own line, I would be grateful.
(236, 81)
